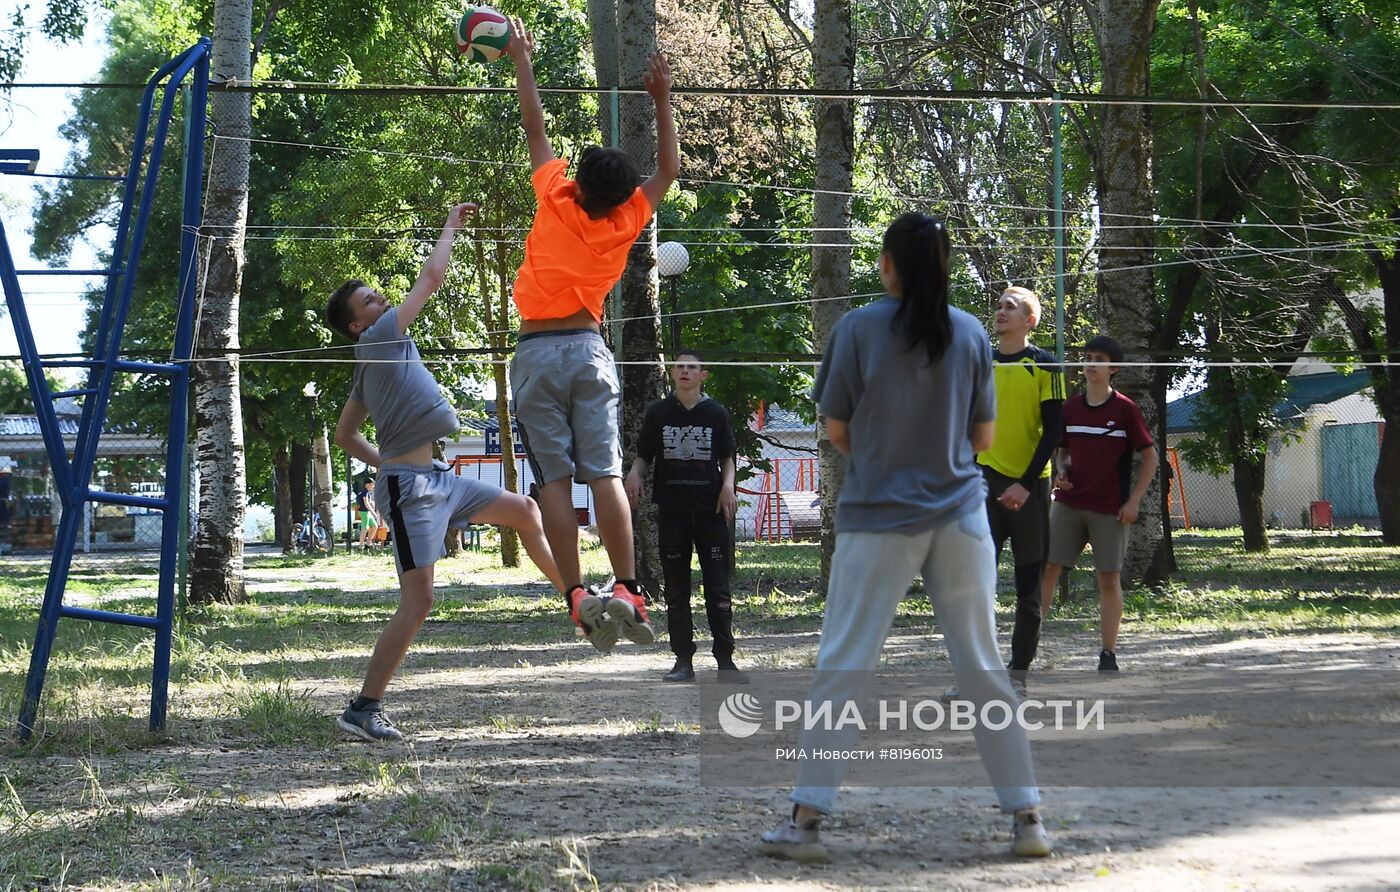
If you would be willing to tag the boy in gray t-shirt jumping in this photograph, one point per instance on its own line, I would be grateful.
(419, 498)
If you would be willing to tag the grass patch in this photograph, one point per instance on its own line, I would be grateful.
(280, 715)
(252, 773)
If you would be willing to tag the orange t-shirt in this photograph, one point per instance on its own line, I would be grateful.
(572, 261)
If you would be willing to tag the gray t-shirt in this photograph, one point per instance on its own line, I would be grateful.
(403, 397)
(911, 464)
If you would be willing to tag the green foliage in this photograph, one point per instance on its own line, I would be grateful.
(1298, 193)
(1253, 410)
(15, 398)
(346, 185)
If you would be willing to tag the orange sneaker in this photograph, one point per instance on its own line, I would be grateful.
(629, 610)
(586, 611)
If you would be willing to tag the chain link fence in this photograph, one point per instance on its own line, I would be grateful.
(31, 510)
(1317, 491)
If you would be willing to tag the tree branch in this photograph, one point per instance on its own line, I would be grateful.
(276, 7)
(1361, 335)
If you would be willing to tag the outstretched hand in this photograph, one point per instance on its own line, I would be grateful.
(458, 216)
(657, 80)
(521, 46)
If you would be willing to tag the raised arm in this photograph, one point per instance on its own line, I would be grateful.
(668, 158)
(521, 50)
(435, 268)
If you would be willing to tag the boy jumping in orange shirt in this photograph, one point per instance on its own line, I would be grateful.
(562, 374)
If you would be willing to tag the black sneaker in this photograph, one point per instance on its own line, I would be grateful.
(731, 674)
(1107, 661)
(681, 672)
(368, 723)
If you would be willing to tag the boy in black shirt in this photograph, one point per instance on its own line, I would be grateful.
(689, 441)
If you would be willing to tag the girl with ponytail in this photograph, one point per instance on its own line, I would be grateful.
(905, 389)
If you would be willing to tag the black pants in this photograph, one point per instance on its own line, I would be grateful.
(707, 534)
(1028, 530)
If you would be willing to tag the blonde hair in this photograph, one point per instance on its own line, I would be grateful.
(1028, 299)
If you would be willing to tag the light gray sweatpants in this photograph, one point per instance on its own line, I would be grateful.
(870, 574)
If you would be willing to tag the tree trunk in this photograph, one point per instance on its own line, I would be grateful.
(321, 474)
(1249, 495)
(641, 334)
(1164, 562)
(497, 324)
(1387, 378)
(297, 482)
(1126, 285)
(602, 24)
(216, 570)
(1247, 462)
(833, 60)
(282, 498)
(1387, 477)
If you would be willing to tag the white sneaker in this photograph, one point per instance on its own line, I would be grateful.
(1028, 837)
(1018, 684)
(796, 842)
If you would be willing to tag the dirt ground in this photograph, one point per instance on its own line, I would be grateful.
(637, 804)
(546, 765)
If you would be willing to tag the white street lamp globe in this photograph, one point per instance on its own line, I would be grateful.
(309, 390)
(672, 259)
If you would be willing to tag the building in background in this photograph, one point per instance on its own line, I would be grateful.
(127, 462)
(1331, 457)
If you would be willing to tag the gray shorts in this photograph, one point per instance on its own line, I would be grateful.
(566, 403)
(1070, 528)
(419, 503)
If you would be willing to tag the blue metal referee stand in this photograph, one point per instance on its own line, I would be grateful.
(72, 473)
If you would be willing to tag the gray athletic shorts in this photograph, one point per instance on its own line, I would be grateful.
(419, 503)
(566, 403)
(1070, 528)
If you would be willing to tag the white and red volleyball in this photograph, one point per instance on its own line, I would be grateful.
(482, 34)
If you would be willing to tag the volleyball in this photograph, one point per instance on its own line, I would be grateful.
(482, 34)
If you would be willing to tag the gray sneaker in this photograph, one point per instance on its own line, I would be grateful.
(795, 843)
(586, 610)
(1028, 837)
(368, 723)
(1018, 684)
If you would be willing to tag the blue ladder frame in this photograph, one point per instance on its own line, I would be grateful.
(73, 477)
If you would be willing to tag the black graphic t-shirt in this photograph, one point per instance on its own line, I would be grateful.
(686, 448)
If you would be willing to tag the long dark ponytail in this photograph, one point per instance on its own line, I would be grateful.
(918, 246)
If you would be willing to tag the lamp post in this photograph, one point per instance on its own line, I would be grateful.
(309, 391)
(349, 504)
(672, 260)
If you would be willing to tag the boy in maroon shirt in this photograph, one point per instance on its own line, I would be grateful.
(1096, 499)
